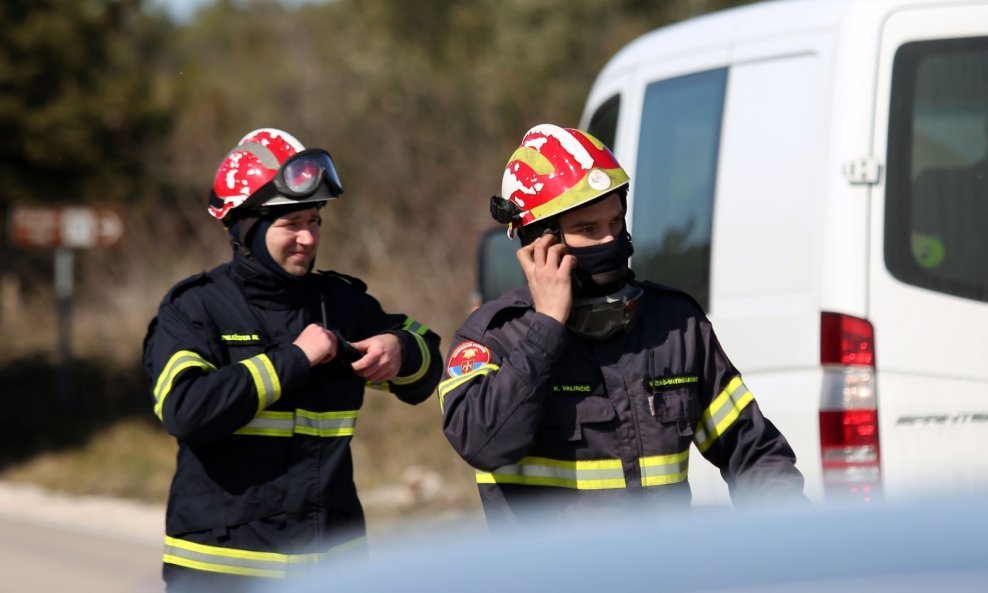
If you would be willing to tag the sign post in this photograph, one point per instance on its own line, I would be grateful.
(65, 228)
(64, 285)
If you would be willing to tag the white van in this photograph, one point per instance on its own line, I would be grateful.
(813, 171)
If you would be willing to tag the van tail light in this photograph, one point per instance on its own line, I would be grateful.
(849, 409)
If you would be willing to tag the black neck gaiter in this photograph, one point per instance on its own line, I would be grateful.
(601, 269)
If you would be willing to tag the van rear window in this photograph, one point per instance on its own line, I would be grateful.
(936, 213)
(603, 123)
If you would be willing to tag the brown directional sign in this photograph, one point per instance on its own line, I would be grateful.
(65, 226)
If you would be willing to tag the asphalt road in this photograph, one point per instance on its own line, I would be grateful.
(53, 544)
(39, 558)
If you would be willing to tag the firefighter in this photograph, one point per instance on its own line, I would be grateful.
(586, 388)
(258, 369)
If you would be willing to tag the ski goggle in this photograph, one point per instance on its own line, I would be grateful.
(308, 176)
(600, 318)
(302, 173)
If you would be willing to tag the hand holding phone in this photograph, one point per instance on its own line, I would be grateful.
(548, 269)
(345, 351)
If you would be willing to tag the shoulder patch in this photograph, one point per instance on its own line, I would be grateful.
(466, 358)
(351, 280)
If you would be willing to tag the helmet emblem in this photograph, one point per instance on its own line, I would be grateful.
(598, 180)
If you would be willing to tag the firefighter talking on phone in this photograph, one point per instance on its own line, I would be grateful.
(586, 388)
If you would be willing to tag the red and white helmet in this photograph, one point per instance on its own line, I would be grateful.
(270, 167)
(554, 170)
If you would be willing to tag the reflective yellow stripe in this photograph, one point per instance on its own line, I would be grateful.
(659, 470)
(317, 424)
(180, 361)
(244, 562)
(417, 330)
(426, 359)
(270, 424)
(266, 381)
(656, 470)
(415, 327)
(325, 424)
(225, 560)
(597, 474)
(454, 382)
(723, 411)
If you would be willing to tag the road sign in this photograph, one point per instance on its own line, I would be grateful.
(65, 226)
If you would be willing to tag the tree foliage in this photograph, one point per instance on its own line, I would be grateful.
(419, 102)
(77, 102)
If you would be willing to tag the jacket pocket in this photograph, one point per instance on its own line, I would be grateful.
(220, 510)
(569, 415)
(677, 407)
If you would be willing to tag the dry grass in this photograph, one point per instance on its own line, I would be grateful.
(131, 459)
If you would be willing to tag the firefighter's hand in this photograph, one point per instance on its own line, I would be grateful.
(318, 344)
(381, 360)
(548, 269)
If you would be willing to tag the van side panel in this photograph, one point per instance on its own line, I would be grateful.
(766, 251)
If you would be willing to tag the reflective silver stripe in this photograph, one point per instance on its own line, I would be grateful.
(245, 562)
(180, 361)
(596, 474)
(325, 424)
(270, 424)
(723, 411)
(454, 382)
(266, 380)
(426, 360)
(659, 470)
(225, 560)
(317, 424)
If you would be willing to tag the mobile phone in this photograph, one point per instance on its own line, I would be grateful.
(345, 351)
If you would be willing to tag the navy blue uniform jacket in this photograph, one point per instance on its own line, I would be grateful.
(545, 415)
(264, 477)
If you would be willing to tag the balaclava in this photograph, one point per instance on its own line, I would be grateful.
(248, 236)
